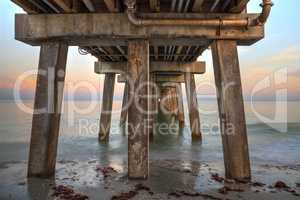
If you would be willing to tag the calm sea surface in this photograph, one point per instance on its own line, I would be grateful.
(79, 127)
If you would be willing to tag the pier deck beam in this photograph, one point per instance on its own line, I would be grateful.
(231, 109)
(193, 106)
(47, 110)
(138, 115)
(107, 102)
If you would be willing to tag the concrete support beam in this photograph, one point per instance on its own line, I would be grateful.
(124, 111)
(107, 102)
(155, 67)
(231, 110)
(47, 110)
(180, 114)
(113, 29)
(159, 78)
(193, 106)
(164, 78)
(138, 115)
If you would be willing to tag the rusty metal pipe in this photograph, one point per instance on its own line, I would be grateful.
(266, 10)
(131, 13)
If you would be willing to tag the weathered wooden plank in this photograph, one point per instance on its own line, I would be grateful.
(107, 102)
(180, 113)
(113, 29)
(138, 115)
(197, 6)
(65, 5)
(193, 106)
(47, 110)
(76, 5)
(239, 6)
(112, 5)
(89, 4)
(231, 109)
(154, 5)
(157, 67)
(27, 6)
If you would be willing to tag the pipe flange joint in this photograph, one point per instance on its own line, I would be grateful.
(248, 23)
(267, 3)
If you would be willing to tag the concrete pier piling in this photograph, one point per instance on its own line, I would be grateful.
(231, 109)
(138, 113)
(107, 103)
(124, 111)
(193, 106)
(180, 114)
(47, 109)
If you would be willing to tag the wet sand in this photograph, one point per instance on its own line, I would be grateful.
(176, 172)
(179, 168)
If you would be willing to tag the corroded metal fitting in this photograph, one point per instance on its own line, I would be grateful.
(131, 5)
(266, 3)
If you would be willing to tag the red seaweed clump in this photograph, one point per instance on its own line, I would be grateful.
(217, 178)
(67, 193)
(281, 185)
(106, 171)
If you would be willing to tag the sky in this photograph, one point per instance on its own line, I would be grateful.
(277, 55)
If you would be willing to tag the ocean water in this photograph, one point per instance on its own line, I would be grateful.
(79, 128)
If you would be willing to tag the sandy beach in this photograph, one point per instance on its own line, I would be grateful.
(170, 179)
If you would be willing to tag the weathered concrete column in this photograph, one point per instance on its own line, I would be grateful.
(231, 109)
(138, 115)
(180, 105)
(124, 111)
(193, 106)
(153, 105)
(107, 102)
(168, 103)
(168, 109)
(47, 109)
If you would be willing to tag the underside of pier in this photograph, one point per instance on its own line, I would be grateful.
(146, 41)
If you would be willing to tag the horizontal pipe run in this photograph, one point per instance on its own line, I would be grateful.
(131, 13)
